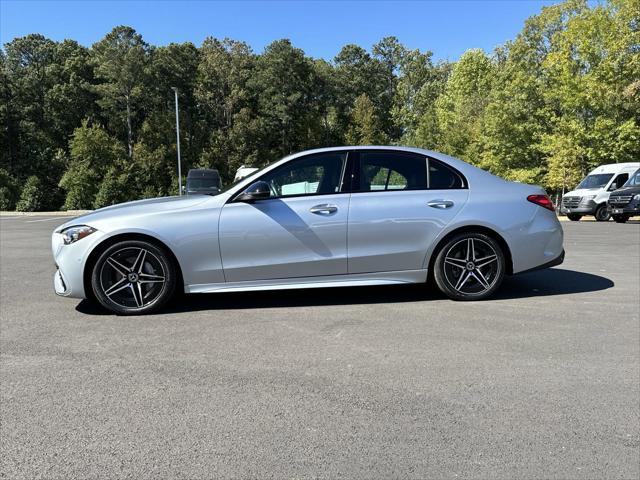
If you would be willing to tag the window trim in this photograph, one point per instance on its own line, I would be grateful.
(357, 164)
(350, 178)
(346, 169)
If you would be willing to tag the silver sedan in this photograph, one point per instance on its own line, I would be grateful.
(330, 217)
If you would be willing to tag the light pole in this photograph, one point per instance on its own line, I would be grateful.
(175, 90)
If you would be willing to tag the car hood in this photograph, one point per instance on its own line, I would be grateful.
(138, 208)
(583, 192)
(626, 191)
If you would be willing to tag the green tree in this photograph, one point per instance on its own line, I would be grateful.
(283, 86)
(365, 128)
(460, 108)
(93, 153)
(120, 61)
(420, 83)
(357, 73)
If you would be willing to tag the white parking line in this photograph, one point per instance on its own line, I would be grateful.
(45, 219)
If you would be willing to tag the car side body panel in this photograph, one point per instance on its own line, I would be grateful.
(393, 245)
(283, 238)
(391, 230)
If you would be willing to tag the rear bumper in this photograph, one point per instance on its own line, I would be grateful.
(556, 261)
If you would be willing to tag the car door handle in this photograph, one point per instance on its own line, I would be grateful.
(324, 209)
(440, 204)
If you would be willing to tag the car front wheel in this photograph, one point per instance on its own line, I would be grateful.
(602, 214)
(133, 277)
(574, 217)
(470, 266)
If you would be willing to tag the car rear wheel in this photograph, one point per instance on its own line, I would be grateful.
(602, 214)
(574, 217)
(470, 266)
(620, 218)
(133, 277)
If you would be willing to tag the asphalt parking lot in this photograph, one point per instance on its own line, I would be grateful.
(377, 382)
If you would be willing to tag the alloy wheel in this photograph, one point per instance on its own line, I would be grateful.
(471, 266)
(132, 277)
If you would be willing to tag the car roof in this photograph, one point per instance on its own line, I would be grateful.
(465, 168)
(202, 172)
(615, 167)
(472, 174)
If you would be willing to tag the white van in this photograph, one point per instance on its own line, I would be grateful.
(591, 195)
(243, 172)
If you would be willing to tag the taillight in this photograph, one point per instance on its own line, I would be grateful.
(543, 200)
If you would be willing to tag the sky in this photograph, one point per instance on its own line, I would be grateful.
(320, 28)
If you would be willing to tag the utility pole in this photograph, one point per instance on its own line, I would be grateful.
(175, 90)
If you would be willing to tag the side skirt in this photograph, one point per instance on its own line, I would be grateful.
(348, 280)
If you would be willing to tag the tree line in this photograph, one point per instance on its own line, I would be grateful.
(87, 127)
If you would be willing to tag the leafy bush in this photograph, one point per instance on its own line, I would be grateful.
(113, 189)
(33, 196)
(8, 191)
(81, 185)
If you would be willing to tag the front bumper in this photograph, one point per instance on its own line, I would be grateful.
(68, 279)
(584, 208)
(59, 285)
(624, 210)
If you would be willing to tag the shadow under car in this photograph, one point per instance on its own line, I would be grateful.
(549, 282)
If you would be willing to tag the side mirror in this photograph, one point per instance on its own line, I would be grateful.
(256, 191)
(613, 186)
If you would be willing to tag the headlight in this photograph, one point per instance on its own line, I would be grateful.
(78, 232)
(587, 198)
(636, 197)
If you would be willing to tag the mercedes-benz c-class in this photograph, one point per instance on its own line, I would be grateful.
(330, 217)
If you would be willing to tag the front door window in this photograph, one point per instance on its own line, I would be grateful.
(313, 175)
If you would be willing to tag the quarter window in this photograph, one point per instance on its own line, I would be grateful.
(313, 175)
(442, 177)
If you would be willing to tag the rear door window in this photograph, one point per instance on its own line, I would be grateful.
(389, 170)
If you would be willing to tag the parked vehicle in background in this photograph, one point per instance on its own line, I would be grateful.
(591, 195)
(244, 172)
(624, 203)
(330, 217)
(203, 181)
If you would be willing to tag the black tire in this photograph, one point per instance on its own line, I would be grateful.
(483, 273)
(133, 277)
(602, 213)
(574, 217)
(621, 218)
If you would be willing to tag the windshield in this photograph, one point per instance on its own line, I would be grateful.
(634, 181)
(202, 183)
(595, 181)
